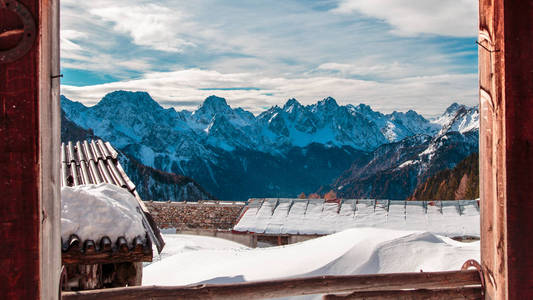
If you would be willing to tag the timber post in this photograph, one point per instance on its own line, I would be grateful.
(29, 144)
(506, 146)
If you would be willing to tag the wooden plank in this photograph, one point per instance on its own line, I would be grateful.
(518, 26)
(506, 135)
(287, 287)
(91, 275)
(19, 177)
(105, 257)
(491, 143)
(472, 293)
(29, 162)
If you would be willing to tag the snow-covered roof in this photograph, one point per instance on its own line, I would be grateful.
(87, 163)
(95, 215)
(317, 216)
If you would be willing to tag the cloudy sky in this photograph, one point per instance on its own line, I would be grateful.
(390, 54)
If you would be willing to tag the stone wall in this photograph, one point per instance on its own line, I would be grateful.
(218, 215)
(213, 218)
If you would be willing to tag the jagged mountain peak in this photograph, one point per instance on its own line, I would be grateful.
(291, 104)
(412, 113)
(293, 124)
(413, 121)
(368, 112)
(409, 113)
(214, 104)
(458, 117)
(364, 107)
(139, 99)
(453, 108)
(220, 145)
(328, 103)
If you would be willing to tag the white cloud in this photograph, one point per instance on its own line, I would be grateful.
(429, 95)
(286, 50)
(148, 24)
(412, 17)
(88, 44)
(370, 68)
(67, 40)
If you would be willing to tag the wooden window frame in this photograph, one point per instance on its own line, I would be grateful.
(506, 151)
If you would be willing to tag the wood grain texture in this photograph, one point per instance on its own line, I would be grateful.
(506, 138)
(471, 293)
(19, 173)
(29, 127)
(518, 114)
(492, 151)
(50, 140)
(288, 287)
(105, 257)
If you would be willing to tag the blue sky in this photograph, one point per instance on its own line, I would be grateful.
(390, 54)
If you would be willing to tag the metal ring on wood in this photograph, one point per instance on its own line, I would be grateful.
(63, 278)
(28, 35)
(472, 263)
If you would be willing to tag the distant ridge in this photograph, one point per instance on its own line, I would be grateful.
(151, 184)
(396, 169)
(285, 150)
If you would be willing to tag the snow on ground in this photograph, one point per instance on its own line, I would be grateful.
(192, 259)
(94, 211)
(181, 243)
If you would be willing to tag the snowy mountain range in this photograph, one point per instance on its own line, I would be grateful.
(283, 151)
(396, 169)
(150, 183)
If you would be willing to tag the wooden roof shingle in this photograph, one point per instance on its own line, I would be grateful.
(96, 162)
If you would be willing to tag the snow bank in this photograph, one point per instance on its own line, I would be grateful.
(354, 251)
(178, 244)
(94, 211)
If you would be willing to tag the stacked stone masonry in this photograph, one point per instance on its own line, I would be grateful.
(217, 215)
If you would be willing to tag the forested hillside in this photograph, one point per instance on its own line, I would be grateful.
(459, 183)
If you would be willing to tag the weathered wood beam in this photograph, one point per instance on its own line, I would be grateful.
(288, 287)
(470, 293)
(85, 258)
(50, 141)
(29, 150)
(506, 146)
(74, 253)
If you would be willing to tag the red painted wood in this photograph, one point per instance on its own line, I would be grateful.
(518, 26)
(19, 201)
(10, 22)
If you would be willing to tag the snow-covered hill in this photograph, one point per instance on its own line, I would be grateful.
(280, 152)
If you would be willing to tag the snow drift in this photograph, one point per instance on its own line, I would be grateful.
(351, 252)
